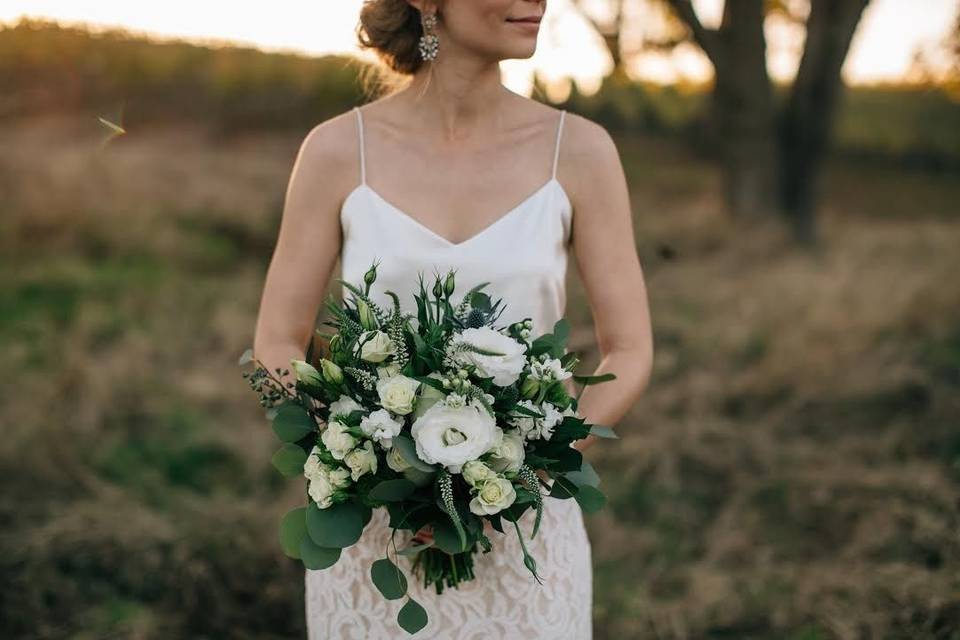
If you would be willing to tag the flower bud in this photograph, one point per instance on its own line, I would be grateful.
(367, 320)
(332, 373)
(448, 285)
(370, 276)
(335, 343)
(306, 373)
(437, 288)
(529, 388)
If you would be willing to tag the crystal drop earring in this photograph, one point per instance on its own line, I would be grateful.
(429, 43)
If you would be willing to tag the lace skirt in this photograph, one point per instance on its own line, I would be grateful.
(503, 601)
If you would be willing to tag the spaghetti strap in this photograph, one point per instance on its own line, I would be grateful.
(556, 151)
(363, 163)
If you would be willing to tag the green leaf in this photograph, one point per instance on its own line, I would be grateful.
(293, 529)
(590, 498)
(588, 380)
(392, 490)
(337, 526)
(289, 460)
(412, 617)
(388, 578)
(563, 488)
(317, 557)
(446, 538)
(408, 451)
(292, 422)
(585, 476)
(603, 432)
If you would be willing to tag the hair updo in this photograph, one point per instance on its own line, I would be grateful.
(392, 28)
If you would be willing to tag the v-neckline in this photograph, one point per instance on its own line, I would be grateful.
(450, 244)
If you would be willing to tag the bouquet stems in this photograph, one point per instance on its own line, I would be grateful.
(442, 569)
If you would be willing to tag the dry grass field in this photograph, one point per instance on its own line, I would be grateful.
(792, 472)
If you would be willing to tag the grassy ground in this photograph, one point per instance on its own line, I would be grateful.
(792, 472)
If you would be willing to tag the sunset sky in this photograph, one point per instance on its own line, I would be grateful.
(567, 48)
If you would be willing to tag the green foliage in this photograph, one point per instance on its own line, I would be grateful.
(293, 529)
(339, 525)
(388, 578)
(292, 422)
(289, 460)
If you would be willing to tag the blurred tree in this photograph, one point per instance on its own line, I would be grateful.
(771, 155)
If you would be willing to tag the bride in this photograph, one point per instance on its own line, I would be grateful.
(451, 170)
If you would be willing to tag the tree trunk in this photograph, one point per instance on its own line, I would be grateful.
(805, 123)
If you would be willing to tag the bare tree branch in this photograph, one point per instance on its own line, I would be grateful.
(708, 39)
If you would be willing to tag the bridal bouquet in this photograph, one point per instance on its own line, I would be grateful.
(450, 422)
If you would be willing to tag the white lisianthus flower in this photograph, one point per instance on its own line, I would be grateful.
(552, 419)
(509, 454)
(475, 472)
(398, 393)
(396, 461)
(337, 439)
(504, 369)
(549, 370)
(452, 436)
(381, 427)
(343, 406)
(374, 346)
(494, 496)
(362, 460)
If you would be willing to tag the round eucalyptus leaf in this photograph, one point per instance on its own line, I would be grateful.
(590, 498)
(388, 578)
(412, 617)
(337, 526)
(446, 538)
(289, 460)
(293, 529)
(392, 490)
(292, 422)
(316, 557)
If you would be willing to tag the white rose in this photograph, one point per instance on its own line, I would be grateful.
(504, 369)
(313, 467)
(550, 369)
(321, 490)
(475, 472)
(382, 427)
(374, 346)
(339, 477)
(452, 436)
(362, 460)
(396, 461)
(508, 456)
(494, 496)
(343, 406)
(337, 440)
(397, 393)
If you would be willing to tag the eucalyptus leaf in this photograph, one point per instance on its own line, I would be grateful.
(339, 525)
(586, 475)
(412, 617)
(246, 357)
(317, 557)
(408, 451)
(292, 422)
(588, 380)
(392, 490)
(388, 578)
(563, 488)
(603, 432)
(293, 529)
(289, 460)
(590, 498)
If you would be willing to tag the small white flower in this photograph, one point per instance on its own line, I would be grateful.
(337, 440)
(343, 406)
(374, 346)
(532, 427)
(548, 370)
(321, 490)
(339, 477)
(504, 369)
(494, 496)
(428, 396)
(452, 436)
(552, 419)
(398, 393)
(388, 370)
(313, 467)
(455, 400)
(475, 472)
(509, 453)
(381, 427)
(362, 460)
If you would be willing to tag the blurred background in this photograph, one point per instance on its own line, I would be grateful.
(792, 471)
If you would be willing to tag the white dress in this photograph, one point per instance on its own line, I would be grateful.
(523, 255)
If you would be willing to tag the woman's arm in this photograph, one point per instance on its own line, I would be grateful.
(308, 244)
(606, 255)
